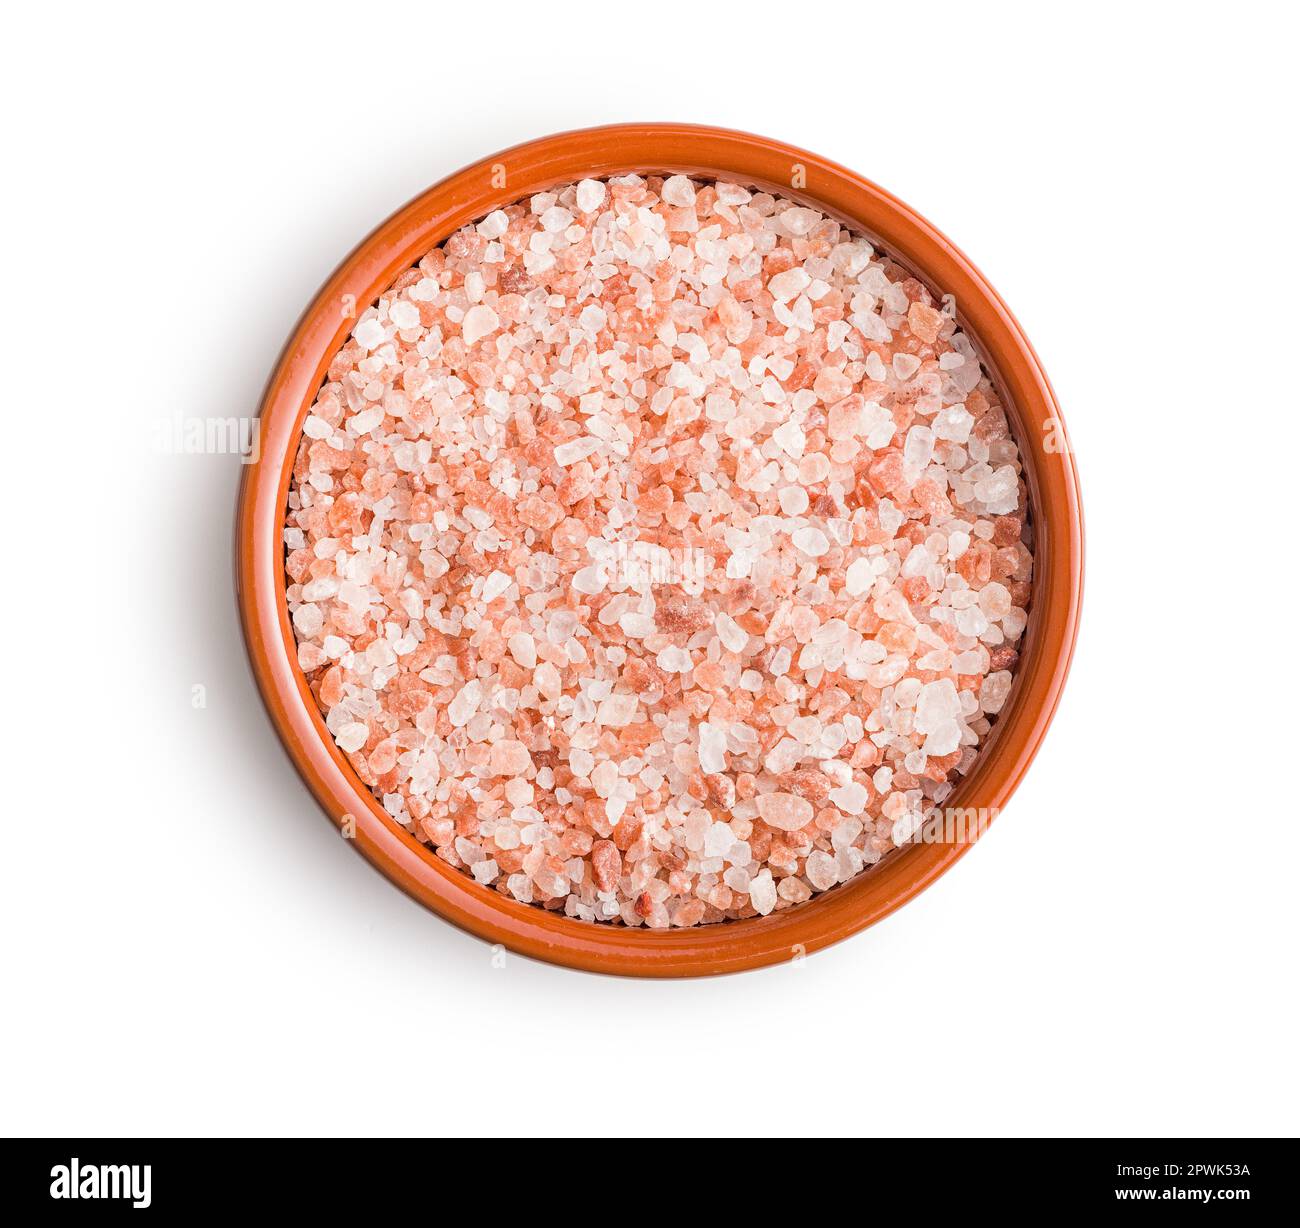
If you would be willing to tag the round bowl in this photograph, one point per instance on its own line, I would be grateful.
(1056, 521)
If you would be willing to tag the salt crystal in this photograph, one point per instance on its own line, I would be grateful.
(793, 500)
(713, 747)
(575, 450)
(784, 286)
(846, 418)
(590, 195)
(352, 737)
(480, 321)
(404, 314)
(918, 447)
(799, 221)
(936, 703)
(791, 437)
(617, 709)
(523, 649)
(943, 739)
(592, 319)
(733, 637)
(953, 423)
(370, 333)
(858, 577)
(590, 579)
(718, 839)
(994, 691)
(820, 869)
(496, 584)
(811, 541)
(308, 620)
(510, 758)
(494, 225)
(786, 811)
(604, 778)
(555, 219)
(851, 798)
(679, 191)
(877, 426)
(762, 893)
(674, 660)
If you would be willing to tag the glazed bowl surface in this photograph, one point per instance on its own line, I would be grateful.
(1056, 520)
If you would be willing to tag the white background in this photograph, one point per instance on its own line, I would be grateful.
(189, 947)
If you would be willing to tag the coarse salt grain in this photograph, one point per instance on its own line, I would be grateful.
(631, 631)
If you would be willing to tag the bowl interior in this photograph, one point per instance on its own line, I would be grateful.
(708, 153)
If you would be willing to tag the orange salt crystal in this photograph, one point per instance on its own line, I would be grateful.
(924, 322)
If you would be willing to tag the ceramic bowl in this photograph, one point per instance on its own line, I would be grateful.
(520, 172)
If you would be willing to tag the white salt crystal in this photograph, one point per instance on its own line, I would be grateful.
(733, 636)
(404, 314)
(674, 660)
(561, 626)
(369, 333)
(679, 191)
(906, 365)
(496, 583)
(785, 286)
(811, 541)
(590, 195)
(918, 447)
(799, 221)
(937, 702)
(943, 739)
(523, 649)
(762, 893)
(790, 436)
(617, 709)
(465, 703)
(737, 877)
(877, 425)
(575, 450)
(590, 579)
(850, 798)
(718, 840)
(953, 423)
(555, 219)
(713, 748)
(591, 319)
(547, 680)
(352, 737)
(994, 691)
(604, 777)
(479, 322)
(637, 626)
(308, 620)
(858, 577)
(494, 225)
(820, 870)
(793, 500)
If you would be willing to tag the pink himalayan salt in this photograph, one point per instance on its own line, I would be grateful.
(656, 552)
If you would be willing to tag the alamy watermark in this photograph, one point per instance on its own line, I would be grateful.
(181, 435)
(944, 825)
(124, 1182)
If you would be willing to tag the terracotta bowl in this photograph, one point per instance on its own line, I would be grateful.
(707, 152)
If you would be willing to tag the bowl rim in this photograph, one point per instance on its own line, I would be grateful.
(707, 152)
